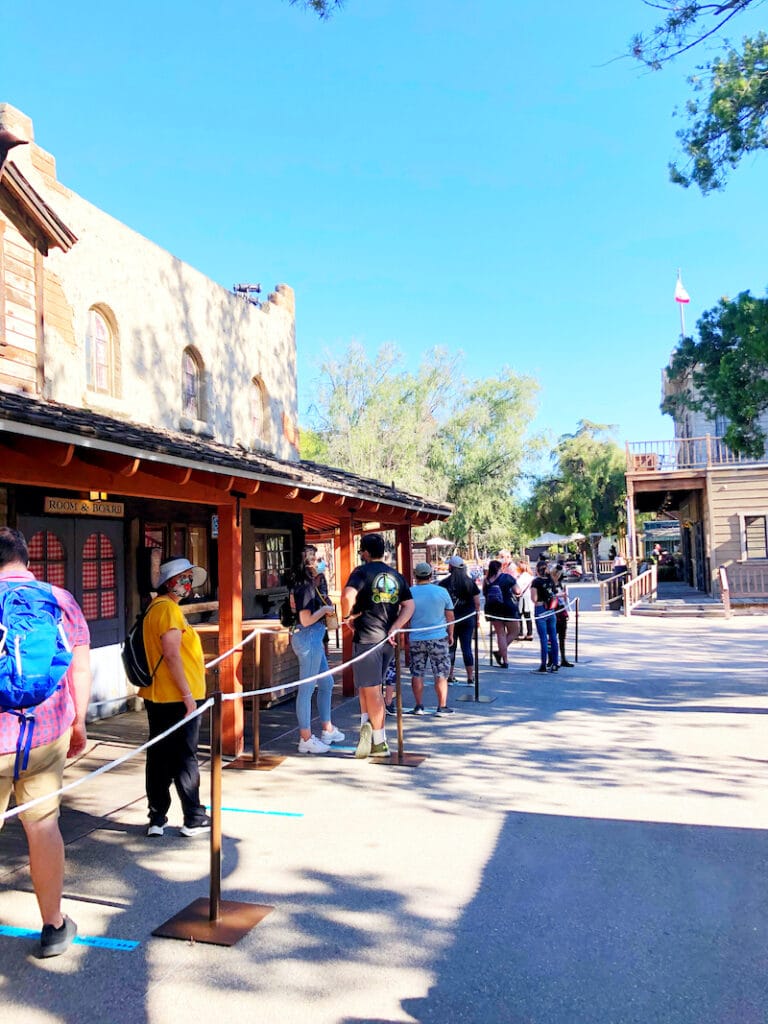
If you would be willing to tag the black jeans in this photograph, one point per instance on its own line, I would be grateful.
(173, 761)
(463, 633)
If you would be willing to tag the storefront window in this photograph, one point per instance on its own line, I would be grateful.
(99, 578)
(47, 559)
(273, 556)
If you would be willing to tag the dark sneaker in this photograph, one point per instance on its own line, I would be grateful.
(197, 828)
(380, 749)
(542, 668)
(155, 830)
(444, 711)
(54, 941)
(552, 668)
(567, 664)
(391, 708)
(364, 743)
(418, 709)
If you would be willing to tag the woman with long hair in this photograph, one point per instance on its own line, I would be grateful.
(500, 590)
(307, 643)
(465, 595)
(561, 618)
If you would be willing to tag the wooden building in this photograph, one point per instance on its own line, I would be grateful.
(140, 422)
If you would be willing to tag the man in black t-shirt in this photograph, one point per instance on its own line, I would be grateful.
(375, 603)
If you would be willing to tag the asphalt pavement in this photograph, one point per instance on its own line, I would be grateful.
(587, 847)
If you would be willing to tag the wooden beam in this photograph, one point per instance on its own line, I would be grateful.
(293, 493)
(339, 501)
(113, 462)
(248, 487)
(231, 625)
(320, 496)
(219, 481)
(52, 452)
(177, 475)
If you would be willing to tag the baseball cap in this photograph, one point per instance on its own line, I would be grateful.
(456, 562)
(422, 571)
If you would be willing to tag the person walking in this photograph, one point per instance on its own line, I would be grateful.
(561, 618)
(500, 590)
(545, 604)
(59, 733)
(431, 636)
(465, 595)
(175, 655)
(307, 641)
(376, 602)
(524, 602)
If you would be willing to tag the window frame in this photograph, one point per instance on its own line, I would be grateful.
(743, 542)
(99, 313)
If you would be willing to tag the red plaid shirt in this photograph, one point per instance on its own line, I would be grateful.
(55, 715)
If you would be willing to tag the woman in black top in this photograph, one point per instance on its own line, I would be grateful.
(545, 607)
(466, 601)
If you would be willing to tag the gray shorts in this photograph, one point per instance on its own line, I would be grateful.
(433, 653)
(370, 671)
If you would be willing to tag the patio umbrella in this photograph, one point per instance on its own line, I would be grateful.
(438, 542)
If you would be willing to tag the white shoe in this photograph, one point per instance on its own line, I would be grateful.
(313, 746)
(333, 736)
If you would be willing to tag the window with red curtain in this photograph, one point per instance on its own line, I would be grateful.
(99, 578)
(47, 558)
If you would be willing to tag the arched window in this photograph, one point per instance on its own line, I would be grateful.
(47, 558)
(99, 578)
(192, 385)
(101, 353)
(259, 412)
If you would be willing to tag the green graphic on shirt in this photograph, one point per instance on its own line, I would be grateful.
(385, 589)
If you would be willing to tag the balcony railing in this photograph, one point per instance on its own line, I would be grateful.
(683, 453)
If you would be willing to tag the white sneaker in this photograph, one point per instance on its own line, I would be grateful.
(333, 736)
(313, 746)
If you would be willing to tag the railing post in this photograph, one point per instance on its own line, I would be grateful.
(709, 450)
(725, 590)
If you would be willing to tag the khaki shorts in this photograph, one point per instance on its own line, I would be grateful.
(44, 775)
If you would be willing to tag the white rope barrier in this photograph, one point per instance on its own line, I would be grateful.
(109, 766)
(226, 697)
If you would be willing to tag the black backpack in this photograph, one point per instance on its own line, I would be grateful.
(134, 655)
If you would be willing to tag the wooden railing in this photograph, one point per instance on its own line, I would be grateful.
(611, 591)
(641, 586)
(684, 453)
(745, 582)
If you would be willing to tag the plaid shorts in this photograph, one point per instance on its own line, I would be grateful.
(433, 653)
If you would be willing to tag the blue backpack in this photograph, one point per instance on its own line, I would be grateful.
(34, 655)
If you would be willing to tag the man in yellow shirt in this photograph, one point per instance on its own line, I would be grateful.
(175, 654)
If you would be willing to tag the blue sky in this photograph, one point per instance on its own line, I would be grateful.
(475, 174)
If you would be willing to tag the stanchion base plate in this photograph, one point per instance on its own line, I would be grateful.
(265, 763)
(470, 697)
(192, 923)
(406, 761)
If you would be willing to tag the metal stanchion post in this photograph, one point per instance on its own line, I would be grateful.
(217, 922)
(475, 697)
(576, 633)
(256, 761)
(401, 759)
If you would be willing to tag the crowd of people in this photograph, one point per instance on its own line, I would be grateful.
(377, 603)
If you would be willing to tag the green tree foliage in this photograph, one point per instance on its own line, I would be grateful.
(429, 432)
(586, 490)
(728, 114)
(322, 8)
(725, 372)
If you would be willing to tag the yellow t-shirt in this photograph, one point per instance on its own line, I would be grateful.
(164, 614)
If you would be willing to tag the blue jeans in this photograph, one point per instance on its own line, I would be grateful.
(547, 630)
(307, 643)
(463, 633)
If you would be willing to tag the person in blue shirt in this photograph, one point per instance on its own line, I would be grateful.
(432, 621)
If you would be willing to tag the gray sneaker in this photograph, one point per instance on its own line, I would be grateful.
(365, 741)
(54, 941)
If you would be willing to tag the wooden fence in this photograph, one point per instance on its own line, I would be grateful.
(644, 585)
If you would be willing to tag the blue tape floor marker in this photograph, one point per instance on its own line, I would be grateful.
(251, 810)
(79, 940)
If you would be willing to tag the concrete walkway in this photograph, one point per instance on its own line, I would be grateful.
(591, 847)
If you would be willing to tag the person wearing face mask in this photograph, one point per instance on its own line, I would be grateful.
(175, 654)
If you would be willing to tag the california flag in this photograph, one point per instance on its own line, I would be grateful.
(681, 295)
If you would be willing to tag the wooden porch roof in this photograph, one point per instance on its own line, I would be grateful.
(47, 443)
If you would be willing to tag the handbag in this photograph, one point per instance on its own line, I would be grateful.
(331, 621)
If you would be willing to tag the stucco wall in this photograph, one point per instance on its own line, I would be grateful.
(158, 306)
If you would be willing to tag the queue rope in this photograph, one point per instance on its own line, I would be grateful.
(15, 811)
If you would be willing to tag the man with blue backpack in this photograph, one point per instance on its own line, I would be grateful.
(45, 683)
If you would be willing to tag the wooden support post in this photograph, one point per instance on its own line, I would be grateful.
(404, 552)
(345, 563)
(231, 624)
